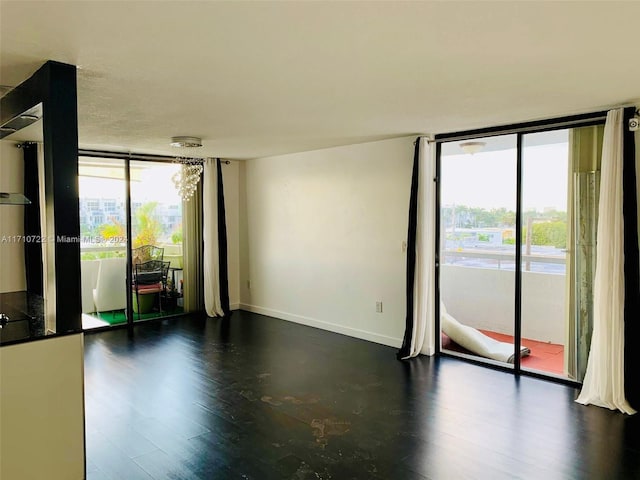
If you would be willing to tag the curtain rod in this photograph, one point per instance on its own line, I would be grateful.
(584, 119)
(510, 131)
(540, 125)
(136, 156)
(523, 128)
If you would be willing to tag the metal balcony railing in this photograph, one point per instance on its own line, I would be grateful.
(505, 261)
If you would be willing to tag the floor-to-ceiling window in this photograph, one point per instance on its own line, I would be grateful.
(477, 236)
(103, 241)
(517, 216)
(129, 277)
(545, 183)
(156, 221)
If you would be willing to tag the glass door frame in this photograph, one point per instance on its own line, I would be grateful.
(520, 129)
(128, 157)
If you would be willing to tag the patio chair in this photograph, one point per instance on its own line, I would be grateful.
(146, 253)
(150, 278)
(110, 293)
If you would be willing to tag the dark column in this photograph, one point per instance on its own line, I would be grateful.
(54, 86)
(631, 267)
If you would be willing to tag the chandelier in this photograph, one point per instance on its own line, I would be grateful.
(187, 177)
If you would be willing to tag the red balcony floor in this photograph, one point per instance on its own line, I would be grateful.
(544, 357)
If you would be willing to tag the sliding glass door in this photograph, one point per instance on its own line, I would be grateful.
(560, 182)
(545, 184)
(477, 245)
(103, 246)
(529, 198)
(114, 289)
(156, 232)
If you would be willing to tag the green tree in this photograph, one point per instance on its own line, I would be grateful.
(549, 228)
(176, 236)
(149, 227)
(112, 230)
(550, 233)
(507, 218)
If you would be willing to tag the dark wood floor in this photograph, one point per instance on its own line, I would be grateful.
(258, 398)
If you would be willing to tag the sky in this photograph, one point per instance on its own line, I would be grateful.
(155, 185)
(485, 179)
(488, 179)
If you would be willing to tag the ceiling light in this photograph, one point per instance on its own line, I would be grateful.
(186, 179)
(472, 147)
(186, 142)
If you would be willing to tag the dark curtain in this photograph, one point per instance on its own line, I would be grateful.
(222, 245)
(405, 350)
(631, 267)
(33, 247)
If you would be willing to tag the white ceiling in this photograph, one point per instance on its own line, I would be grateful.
(258, 79)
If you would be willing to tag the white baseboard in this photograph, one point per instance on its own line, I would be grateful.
(332, 327)
(234, 306)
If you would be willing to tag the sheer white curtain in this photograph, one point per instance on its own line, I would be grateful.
(419, 335)
(211, 260)
(604, 380)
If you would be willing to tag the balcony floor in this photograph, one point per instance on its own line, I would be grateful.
(104, 319)
(544, 357)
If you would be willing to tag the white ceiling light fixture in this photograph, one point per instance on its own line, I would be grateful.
(472, 147)
(186, 142)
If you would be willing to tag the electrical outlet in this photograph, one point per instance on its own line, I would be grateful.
(379, 307)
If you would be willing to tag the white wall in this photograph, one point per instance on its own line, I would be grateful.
(13, 276)
(320, 234)
(321, 237)
(42, 410)
(230, 177)
(484, 298)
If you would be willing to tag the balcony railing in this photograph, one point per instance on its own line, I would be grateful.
(90, 257)
(477, 287)
(552, 264)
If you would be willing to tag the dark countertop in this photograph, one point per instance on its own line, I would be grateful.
(26, 317)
